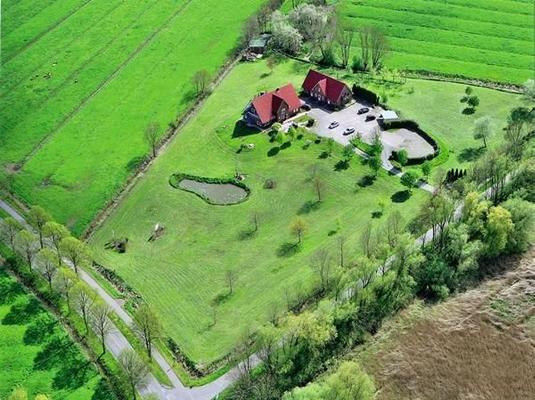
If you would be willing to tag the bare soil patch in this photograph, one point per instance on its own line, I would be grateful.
(479, 345)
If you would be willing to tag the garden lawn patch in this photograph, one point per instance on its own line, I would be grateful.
(82, 79)
(485, 39)
(36, 353)
(183, 274)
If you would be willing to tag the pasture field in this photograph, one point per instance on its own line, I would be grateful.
(82, 79)
(182, 274)
(485, 39)
(36, 353)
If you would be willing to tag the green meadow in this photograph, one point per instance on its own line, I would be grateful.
(485, 39)
(37, 354)
(81, 80)
(182, 274)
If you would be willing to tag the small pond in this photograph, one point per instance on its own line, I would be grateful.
(215, 193)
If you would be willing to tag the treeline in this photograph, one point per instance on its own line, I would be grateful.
(48, 260)
(316, 30)
(461, 230)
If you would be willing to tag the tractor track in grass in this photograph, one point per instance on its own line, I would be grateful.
(49, 29)
(28, 18)
(91, 95)
(80, 68)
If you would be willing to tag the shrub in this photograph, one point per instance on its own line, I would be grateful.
(357, 64)
(402, 157)
(270, 184)
(366, 95)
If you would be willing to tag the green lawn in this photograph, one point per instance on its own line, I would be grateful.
(181, 273)
(36, 353)
(488, 39)
(437, 108)
(81, 80)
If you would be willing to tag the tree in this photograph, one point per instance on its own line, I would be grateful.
(473, 101)
(84, 298)
(365, 43)
(366, 240)
(345, 37)
(426, 169)
(25, 243)
(402, 156)
(321, 264)
(151, 136)
(55, 232)
(100, 321)
(230, 279)
(251, 29)
(254, 220)
(519, 124)
(319, 187)
(148, 326)
(42, 397)
(375, 164)
(65, 281)
(134, 369)
(348, 152)
(75, 251)
(499, 227)
(48, 265)
(409, 179)
(19, 393)
(330, 143)
(10, 228)
(201, 80)
(298, 228)
(378, 48)
(491, 171)
(528, 91)
(38, 217)
(523, 218)
(482, 129)
(270, 63)
(285, 37)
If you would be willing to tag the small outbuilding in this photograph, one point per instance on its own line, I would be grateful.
(388, 116)
(258, 44)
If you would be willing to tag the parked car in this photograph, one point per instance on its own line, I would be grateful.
(306, 107)
(349, 131)
(363, 110)
(370, 118)
(334, 124)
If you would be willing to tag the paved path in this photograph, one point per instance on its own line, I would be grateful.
(116, 342)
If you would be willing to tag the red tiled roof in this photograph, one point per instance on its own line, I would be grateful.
(266, 105)
(331, 88)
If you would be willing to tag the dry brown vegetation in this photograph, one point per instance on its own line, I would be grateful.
(478, 345)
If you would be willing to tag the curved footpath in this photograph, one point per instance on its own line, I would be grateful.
(116, 342)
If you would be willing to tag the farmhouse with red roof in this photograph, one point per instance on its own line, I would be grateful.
(275, 106)
(326, 89)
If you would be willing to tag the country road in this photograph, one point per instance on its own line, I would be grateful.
(116, 342)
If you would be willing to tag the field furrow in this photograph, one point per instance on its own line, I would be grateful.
(481, 39)
(28, 33)
(53, 104)
(20, 12)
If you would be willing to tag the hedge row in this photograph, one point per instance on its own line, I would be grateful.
(413, 126)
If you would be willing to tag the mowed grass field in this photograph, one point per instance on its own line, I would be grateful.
(486, 39)
(36, 353)
(181, 274)
(82, 79)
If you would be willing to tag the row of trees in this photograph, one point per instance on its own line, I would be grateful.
(58, 257)
(325, 32)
